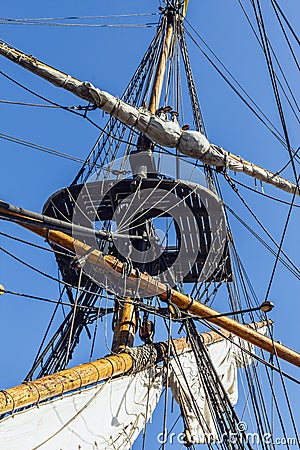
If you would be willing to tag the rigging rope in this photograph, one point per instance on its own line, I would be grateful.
(253, 355)
(256, 191)
(84, 116)
(278, 64)
(226, 418)
(258, 221)
(286, 21)
(268, 57)
(284, 386)
(41, 148)
(96, 309)
(40, 105)
(73, 317)
(264, 243)
(89, 25)
(263, 118)
(285, 35)
(129, 143)
(59, 302)
(281, 244)
(108, 16)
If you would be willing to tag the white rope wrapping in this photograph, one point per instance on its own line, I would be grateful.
(164, 132)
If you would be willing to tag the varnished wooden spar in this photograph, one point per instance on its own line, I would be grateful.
(126, 323)
(166, 133)
(160, 72)
(126, 326)
(83, 375)
(67, 380)
(153, 287)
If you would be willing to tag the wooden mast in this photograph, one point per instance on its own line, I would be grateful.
(83, 375)
(113, 366)
(153, 287)
(161, 67)
(125, 327)
(126, 314)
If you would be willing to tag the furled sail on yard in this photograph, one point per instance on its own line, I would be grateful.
(164, 132)
(112, 414)
(142, 227)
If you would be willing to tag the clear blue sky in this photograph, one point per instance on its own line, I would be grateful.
(107, 57)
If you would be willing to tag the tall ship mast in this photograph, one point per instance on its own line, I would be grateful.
(152, 271)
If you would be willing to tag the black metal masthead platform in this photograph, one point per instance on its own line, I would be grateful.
(181, 220)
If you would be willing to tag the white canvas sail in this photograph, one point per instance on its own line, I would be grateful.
(108, 416)
(188, 390)
(111, 415)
